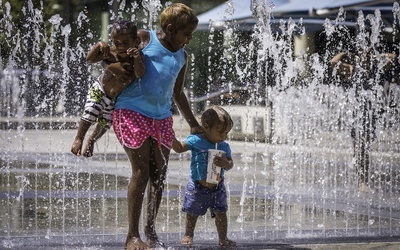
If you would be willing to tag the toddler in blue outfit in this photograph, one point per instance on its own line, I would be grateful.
(201, 195)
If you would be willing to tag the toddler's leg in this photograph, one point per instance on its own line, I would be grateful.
(189, 232)
(221, 221)
(80, 136)
(98, 132)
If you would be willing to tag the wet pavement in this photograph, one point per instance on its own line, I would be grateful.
(54, 144)
(111, 242)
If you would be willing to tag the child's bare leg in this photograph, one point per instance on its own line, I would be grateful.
(83, 127)
(98, 132)
(189, 231)
(221, 221)
(158, 170)
(140, 160)
(76, 147)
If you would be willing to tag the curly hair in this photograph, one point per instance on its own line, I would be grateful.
(124, 27)
(216, 115)
(179, 15)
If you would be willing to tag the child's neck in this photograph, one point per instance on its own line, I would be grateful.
(164, 41)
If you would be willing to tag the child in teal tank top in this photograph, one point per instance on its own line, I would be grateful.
(147, 96)
(147, 147)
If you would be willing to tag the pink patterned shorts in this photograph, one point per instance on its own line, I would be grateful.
(132, 129)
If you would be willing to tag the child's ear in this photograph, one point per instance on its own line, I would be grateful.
(170, 29)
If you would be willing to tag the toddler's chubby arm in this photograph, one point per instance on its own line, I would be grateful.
(98, 52)
(138, 61)
(119, 71)
(179, 146)
(223, 162)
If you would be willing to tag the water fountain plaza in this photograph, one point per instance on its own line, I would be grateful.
(294, 180)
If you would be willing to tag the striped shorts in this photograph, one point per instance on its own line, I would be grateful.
(99, 107)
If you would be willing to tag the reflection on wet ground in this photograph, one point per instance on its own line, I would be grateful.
(313, 198)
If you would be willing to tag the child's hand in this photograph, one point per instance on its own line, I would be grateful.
(178, 146)
(196, 130)
(133, 52)
(104, 49)
(221, 161)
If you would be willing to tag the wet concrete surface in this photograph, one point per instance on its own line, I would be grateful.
(35, 144)
(111, 242)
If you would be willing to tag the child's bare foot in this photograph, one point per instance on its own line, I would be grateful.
(227, 243)
(152, 238)
(76, 147)
(187, 240)
(136, 243)
(155, 244)
(88, 151)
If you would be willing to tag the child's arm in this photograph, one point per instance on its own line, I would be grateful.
(98, 52)
(118, 70)
(179, 147)
(182, 102)
(138, 61)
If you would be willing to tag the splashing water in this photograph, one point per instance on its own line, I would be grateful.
(300, 131)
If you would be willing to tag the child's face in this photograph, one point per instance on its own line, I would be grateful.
(123, 42)
(182, 37)
(216, 134)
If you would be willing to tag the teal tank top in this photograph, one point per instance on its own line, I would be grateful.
(151, 95)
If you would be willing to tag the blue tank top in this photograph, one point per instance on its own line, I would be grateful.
(151, 95)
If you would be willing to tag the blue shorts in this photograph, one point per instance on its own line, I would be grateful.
(198, 199)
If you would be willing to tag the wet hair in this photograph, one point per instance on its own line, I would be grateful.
(179, 15)
(215, 116)
(124, 27)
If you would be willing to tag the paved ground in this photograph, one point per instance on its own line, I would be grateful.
(55, 141)
(114, 242)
